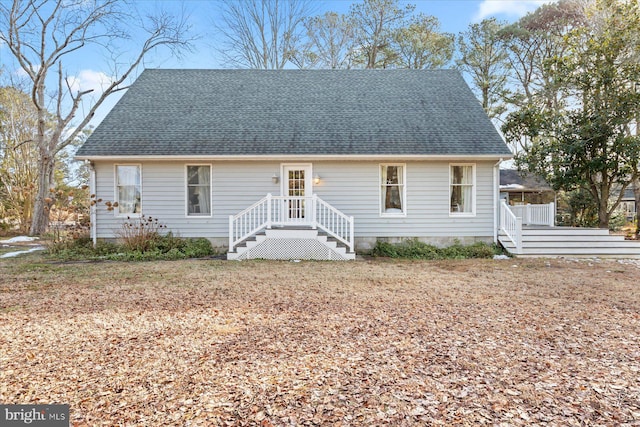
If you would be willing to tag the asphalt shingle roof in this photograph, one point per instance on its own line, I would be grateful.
(294, 112)
(524, 179)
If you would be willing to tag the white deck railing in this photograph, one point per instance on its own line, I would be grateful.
(291, 211)
(511, 225)
(536, 214)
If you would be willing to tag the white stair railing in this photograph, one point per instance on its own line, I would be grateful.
(536, 214)
(511, 225)
(334, 222)
(291, 211)
(249, 221)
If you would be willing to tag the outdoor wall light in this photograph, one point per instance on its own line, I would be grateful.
(316, 179)
(275, 178)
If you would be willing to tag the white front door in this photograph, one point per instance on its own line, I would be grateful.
(296, 186)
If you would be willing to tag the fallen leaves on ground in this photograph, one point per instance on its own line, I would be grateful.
(199, 343)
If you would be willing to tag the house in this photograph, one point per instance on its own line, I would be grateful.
(627, 206)
(520, 188)
(299, 164)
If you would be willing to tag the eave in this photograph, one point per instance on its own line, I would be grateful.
(301, 157)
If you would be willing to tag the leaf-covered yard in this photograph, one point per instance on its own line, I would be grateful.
(199, 343)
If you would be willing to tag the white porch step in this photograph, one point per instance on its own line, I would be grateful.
(572, 238)
(572, 242)
(601, 244)
(291, 243)
(564, 231)
(581, 252)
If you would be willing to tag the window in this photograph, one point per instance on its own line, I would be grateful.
(198, 190)
(128, 189)
(392, 190)
(462, 189)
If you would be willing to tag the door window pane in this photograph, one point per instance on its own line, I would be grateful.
(296, 183)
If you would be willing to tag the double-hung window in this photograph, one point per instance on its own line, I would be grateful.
(392, 190)
(198, 190)
(129, 189)
(462, 189)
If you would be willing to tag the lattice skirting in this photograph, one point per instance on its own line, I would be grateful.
(294, 248)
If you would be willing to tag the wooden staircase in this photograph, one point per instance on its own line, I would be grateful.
(540, 241)
(291, 243)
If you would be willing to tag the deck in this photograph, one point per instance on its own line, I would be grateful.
(547, 240)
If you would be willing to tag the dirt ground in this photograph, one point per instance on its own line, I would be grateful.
(373, 342)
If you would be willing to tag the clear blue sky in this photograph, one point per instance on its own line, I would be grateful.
(91, 65)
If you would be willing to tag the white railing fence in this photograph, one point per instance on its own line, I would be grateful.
(536, 214)
(291, 211)
(249, 221)
(511, 225)
(333, 222)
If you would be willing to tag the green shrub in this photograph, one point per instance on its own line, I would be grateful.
(141, 238)
(64, 242)
(617, 221)
(4, 227)
(168, 247)
(168, 242)
(198, 248)
(385, 249)
(415, 249)
(482, 250)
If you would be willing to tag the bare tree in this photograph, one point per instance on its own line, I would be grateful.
(262, 34)
(375, 22)
(18, 156)
(43, 35)
(330, 41)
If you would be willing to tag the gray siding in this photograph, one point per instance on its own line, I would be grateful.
(352, 187)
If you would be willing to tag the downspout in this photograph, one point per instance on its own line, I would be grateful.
(92, 206)
(496, 196)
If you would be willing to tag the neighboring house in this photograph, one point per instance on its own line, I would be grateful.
(299, 158)
(520, 188)
(627, 205)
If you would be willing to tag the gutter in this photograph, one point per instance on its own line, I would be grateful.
(296, 157)
(496, 197)
(92, 207)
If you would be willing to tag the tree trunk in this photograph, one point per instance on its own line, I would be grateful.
(603, 213)
(40, 219)
(485, 99)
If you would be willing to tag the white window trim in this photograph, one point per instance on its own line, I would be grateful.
(404, 191)
(473, 191)
(186, 190)
(116, 210)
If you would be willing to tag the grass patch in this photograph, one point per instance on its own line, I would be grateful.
(415, 249)
(7, 248)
